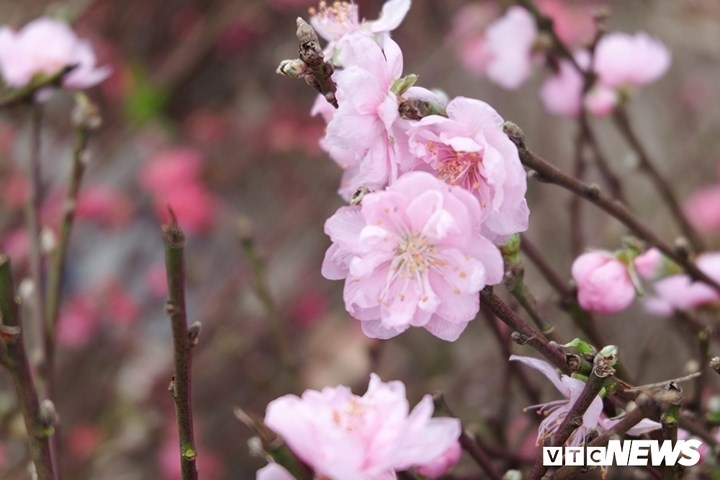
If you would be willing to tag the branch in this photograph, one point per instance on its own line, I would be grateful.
(551, 174)
(86, 118)
(183, 340)
(39, 421)
(647, 165)
(529, 335)
(468, 443)
(27, 93)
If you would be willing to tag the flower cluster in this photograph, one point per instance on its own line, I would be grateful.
(342, 435)
(443, 186)
(46, 47)
(507, 48)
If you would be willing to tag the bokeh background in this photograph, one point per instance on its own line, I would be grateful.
(194, 83)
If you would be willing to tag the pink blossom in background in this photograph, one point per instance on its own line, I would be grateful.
(206, 126)
(119, 305)
(45, 46)
(367, 437)
(562, 93)
(468, 35)
(440, 465)
(679, 292)
(510, 42)
(469, 149)
(702, 209)
(105, 205)
(171, 167)
(309, 308)
(364, 136)
(623, 60)
(156, 280)
(273, 471)
(604, 284)
(649, 264)
(412, 255)
(14, 190)
(16, 244)
(572, 21)
(78, 322)
(601, 100)
(556, 411)
(193, 205)
(83, 440)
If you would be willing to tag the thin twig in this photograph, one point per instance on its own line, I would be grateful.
(468, 443)
(647, 165)
(86, 119)
(39, 427)
(592, 193)
(27, 93)
(183, 341)
(529, 335)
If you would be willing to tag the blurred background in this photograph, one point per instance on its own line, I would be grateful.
(194, 88)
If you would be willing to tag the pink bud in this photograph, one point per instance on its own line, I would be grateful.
(437, 467)
(603, 282)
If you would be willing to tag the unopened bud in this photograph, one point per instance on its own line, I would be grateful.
(519, 338)
(294, 68)
(86, 114)
(48, 414)
(715, 364)
(194, 333)
(48, 241)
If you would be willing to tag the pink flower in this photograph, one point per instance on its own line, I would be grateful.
(364, 135)
(679, 292)
(701, 209)
(562, 93)
(105, 205)
(604, 284)
(510, 41)
(468, 35)
(170, 167)
(45, 46)
(624, 60)
(440, 465)
(273, 471)
(572, 21)
(601, 100)
(649, 264)
(367, 437)
(556, 411)
(412, 255)
(470, 150)
(193, 205)
(78, 322)
(334, 21)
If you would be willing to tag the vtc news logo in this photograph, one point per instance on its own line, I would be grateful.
(634, 453)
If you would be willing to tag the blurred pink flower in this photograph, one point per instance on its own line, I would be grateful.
(273, 471)
(510, 41)
(556, 411)
(572, 21)
(16, 244)
(45, 46)
(367, 437)
(14, 190)
(468, 35)
(679, 292)
(104, 205)
(78, 322)
(83, 440)
(604, 284)
(171, 167)
(309, 308)
(437, 467)
(702, 209)
(649, 264)
(601, 100)
(623, 60)
(156, 279)
(193, 205)
(412, 255)
(363, 136)
(469, 149)
(562, 93)
(338, 19)
(120, 306)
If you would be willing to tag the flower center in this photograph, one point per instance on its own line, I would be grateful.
(461, 169)
(351, 417)
(339, 14)
(414, 255)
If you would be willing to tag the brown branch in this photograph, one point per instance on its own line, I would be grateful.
(551, 174)
(647, 165)
(86, 119)
(183, 342)
(529, 335)
(39, 426)
(27, 93)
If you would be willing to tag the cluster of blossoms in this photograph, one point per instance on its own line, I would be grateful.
(608, 282)
(341, 435)
(46, 47)
(509, 47)
(442, 190)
